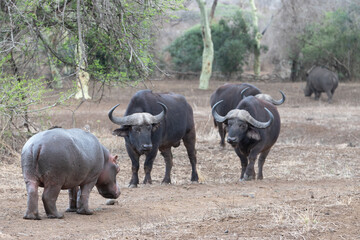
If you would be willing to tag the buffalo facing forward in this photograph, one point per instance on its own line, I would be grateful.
(320, 79)
(253, 128)
(231, 94)
(155, 122)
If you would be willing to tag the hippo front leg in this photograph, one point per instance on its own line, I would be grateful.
(49, 198)
(32, 201)
(83, 199)
(72, 199)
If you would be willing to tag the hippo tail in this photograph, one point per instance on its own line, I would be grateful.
(30, 162)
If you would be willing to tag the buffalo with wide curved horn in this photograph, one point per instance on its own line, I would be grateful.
(242, 115)
(147, 128)
(253, 127)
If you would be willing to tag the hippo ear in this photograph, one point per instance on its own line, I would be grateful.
(122, 132)
(253, 134)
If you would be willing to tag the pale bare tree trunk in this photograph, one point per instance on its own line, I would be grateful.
(257, 37)
(212, 13)
(82, 76)
(208, 52)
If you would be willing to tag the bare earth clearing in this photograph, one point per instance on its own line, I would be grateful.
(311, 186)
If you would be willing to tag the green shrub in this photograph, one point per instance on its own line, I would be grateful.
(232, 44)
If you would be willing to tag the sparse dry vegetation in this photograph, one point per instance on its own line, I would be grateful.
(310, 188)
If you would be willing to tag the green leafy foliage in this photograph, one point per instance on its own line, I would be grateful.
(335, 42)
(232, 44)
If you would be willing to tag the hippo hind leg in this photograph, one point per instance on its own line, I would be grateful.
(32, 201)
(49, 198)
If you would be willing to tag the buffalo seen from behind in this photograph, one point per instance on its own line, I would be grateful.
(253, 127)
(321, 79)
(155, 122)
(66, 159)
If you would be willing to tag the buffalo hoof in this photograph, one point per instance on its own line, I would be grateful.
(32, 216)
(166, 182)
(248, 178)
(133, 185)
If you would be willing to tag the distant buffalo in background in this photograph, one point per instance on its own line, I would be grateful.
(321, 79)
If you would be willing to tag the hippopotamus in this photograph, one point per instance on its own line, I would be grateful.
(70, 159)
(321, 79)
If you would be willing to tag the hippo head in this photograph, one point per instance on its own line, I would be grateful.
(137, 128)
(106, 183)
(240, 125)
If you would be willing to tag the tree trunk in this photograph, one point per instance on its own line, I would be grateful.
(208, 52)
(82, 76)
(257, 37)
(212, 13)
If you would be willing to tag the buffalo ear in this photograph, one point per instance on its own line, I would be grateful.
(253, 134)
(121, 132)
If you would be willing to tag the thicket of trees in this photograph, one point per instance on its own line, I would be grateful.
(46, 43)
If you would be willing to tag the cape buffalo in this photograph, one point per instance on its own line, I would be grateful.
(231, 94)
(253, 127)
(320, 79)
(66, 159)
(155, 122)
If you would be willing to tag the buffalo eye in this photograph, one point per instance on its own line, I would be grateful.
(137, 129)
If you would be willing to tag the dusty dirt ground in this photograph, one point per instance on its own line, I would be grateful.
(311, 186)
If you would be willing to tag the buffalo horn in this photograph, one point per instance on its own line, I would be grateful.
(243, 92)
(268, 98)
(138, 118)
(216, 116)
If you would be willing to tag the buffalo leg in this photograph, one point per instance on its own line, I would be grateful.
(261, 162)
(72, 199)
(189, 141)
(329, 94)
(317, 95)
(32, 201)
(168, 157)
(49, 198)
(222, 133)
(83, 199)
(134, 166)
(250, 171)
(148, 165)
(244, 162)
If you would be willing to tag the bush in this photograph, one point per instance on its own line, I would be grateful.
(232, 44)
(334, 42)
